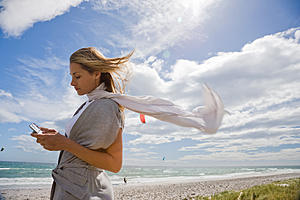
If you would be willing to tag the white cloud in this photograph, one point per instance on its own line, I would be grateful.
(146, 80)
(9, 108)
(284, 154)
(133, 149)
(155, 25)
(153, 139)
(260, 87)
(297, 36)
(255, 139)
(3, 93)
(17, 16)
(27, 143)
(6, 115)
(46, 95)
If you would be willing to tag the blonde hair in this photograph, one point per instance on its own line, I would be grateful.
(114, 71)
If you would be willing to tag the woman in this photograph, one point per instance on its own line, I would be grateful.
(93, 140)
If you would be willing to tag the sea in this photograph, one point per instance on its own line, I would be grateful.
(21, 175)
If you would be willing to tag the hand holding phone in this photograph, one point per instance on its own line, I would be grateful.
(35, 128)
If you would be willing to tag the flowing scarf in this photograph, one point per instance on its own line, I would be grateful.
(206, 118)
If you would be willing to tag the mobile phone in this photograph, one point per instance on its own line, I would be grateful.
(35, 128)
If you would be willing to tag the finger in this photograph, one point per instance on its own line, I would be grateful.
(44, 129)
(34, 134)
(47, 129)
(42, 142)
(40, 138)
(49, 133)
(44, 146)
(48, 148)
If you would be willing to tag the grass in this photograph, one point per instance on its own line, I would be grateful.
(279, 190)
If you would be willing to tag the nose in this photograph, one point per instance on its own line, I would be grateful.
(73, 83)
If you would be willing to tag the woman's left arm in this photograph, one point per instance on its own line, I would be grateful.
(110, 159)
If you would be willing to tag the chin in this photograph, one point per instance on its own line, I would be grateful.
(80, 93)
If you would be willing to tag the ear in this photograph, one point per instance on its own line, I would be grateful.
(97, 75)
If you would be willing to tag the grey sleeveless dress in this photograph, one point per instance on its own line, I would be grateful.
(96, 128)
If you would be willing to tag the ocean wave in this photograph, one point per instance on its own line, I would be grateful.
(28, 169)
(34, 175)
(9, 182)
(5, 168)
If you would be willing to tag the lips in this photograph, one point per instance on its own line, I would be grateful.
(76, 89)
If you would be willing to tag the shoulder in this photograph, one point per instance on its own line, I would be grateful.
(104, 105)
(105, 111)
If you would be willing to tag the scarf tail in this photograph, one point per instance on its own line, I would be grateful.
(205, 118)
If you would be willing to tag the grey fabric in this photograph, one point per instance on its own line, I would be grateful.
(96, 128)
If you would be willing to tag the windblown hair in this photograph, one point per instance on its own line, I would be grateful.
(114, 71)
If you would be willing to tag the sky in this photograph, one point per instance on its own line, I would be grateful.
(247, 51)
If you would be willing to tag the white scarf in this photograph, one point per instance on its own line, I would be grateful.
(206, 118)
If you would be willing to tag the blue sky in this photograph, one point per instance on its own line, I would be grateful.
(248, 51)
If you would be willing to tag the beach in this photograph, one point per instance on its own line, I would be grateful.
(163, 190)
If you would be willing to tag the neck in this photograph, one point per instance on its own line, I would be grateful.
(97, 93)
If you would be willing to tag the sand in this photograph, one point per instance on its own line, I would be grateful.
(162, 191)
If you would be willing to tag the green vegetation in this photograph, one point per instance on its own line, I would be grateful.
(279, 190)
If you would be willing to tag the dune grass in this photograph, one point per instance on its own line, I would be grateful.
(278, 190)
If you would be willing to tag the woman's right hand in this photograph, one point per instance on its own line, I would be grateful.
(51, 139)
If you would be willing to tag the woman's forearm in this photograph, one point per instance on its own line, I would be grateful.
(110, 160)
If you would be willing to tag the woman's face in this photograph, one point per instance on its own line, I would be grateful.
(82, 81)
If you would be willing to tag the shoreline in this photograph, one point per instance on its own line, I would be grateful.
(179, 191)
(163, 190)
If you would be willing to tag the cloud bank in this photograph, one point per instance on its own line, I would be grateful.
(260, 87)
(154, 25)
(17, 16)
